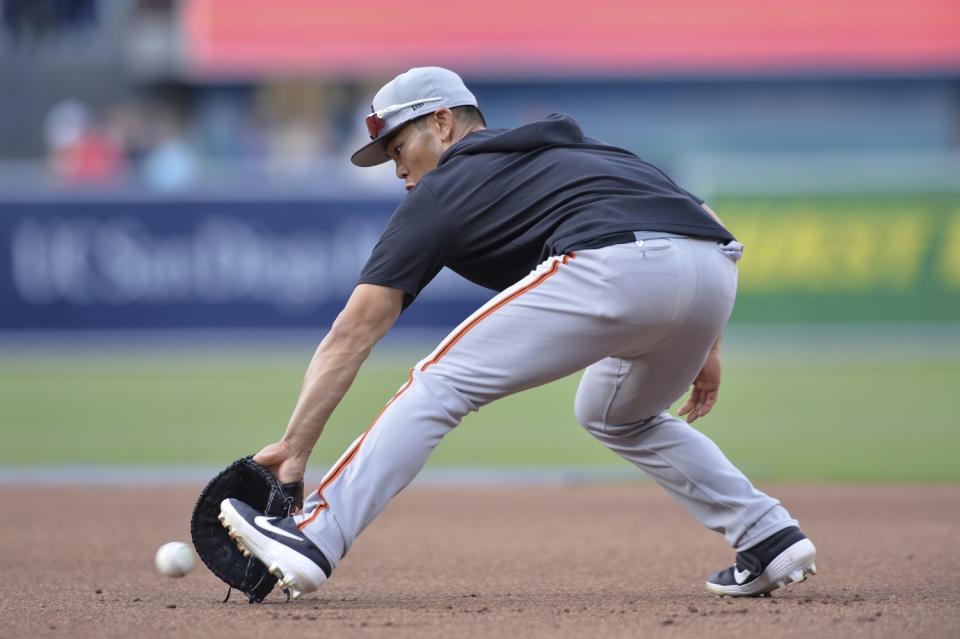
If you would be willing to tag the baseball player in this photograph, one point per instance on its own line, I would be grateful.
(601, 262)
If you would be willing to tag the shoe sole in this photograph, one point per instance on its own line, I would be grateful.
(286, 564)
(791, 566)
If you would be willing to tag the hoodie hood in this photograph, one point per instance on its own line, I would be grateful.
(556, 129)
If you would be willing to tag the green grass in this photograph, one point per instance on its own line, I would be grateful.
(855, 420)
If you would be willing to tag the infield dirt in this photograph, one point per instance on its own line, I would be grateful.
(590, 561)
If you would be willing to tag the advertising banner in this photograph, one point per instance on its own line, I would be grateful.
(218, 264)
(271, 264)
(847, 258)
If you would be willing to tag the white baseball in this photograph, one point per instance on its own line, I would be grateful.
(175, 559)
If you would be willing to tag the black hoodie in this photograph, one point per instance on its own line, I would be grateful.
(502, 201)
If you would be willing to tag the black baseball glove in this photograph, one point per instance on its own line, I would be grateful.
(253, 484)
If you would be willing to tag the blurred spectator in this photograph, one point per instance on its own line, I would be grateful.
(296, 118)
(170, 163)
(224, 127)
(80, 151)
(127, 122)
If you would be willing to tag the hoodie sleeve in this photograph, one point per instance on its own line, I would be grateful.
(413, 247)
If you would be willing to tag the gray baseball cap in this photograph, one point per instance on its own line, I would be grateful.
(408, 96)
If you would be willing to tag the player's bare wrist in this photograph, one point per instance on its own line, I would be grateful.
(296, 449)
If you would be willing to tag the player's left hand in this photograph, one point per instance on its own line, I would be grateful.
(284, 462)
(706, 388)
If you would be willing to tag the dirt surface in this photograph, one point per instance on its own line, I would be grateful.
(610, 561)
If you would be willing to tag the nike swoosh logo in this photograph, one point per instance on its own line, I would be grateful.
(739, 576)
(264, 522)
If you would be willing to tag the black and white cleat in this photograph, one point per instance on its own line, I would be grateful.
(784, 558)
(298, 565)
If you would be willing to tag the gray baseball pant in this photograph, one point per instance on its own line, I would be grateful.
(640, 317)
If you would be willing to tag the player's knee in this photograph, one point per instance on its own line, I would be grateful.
(597, 419)
(588, 412)
(439, 393)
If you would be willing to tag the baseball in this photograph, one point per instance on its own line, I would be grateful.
(175, 559)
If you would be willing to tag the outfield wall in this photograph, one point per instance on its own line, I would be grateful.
(272, 264)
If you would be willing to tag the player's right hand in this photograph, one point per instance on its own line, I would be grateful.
(286, 464)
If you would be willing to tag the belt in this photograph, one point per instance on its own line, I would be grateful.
(635, 236)
(659, 235)
(733, 250)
